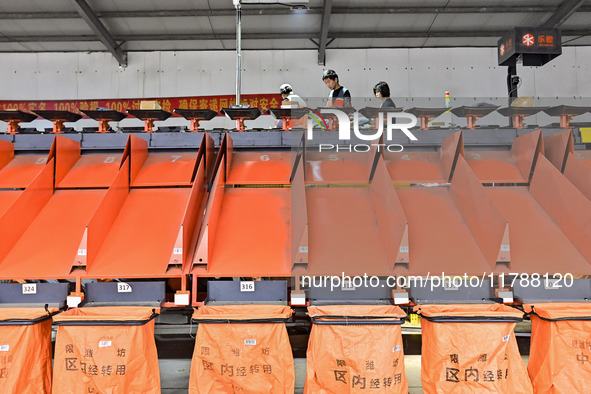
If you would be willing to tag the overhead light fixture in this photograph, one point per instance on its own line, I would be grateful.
(296, 4)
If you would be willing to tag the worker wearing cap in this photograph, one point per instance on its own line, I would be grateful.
(288, 95)
(339, 96)
(291, 100)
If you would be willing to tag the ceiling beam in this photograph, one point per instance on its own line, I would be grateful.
(275, 36)
(250, 11)
(326, 11)
(564, 11)
(100, 30)
(491, 44)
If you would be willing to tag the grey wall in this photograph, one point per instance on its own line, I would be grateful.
(414, 73)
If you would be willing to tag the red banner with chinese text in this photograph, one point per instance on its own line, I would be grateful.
(215, 103)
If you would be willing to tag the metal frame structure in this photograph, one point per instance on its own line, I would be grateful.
(86, 13)
(114, 42)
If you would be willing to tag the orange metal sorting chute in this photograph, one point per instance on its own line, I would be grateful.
(390, 217)
(483, 217)
(246, 231)
(20, 170)
(575, 165)
(439, 238)
(557, 148)
(534, 235)
(566, 205)
(67, 236)
(338, 167)
(547, 220)
(584, 156)
(508, 167)
(165, 169)
(16, 173)
(7, 197)
(421, 167)
(440, 228)
(578, 171)
(537, 244)
(357, 229)
(93, 171)
(344, 235)
(48, 247)
(299, 214)
(19, 208)
(254, 168)
(147, 231)
(425, 167)
(6, 153)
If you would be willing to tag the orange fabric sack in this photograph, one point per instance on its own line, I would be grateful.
(25, 350)
(355, 349)
(106, 350)
(560, 352)
(471, 348)
(242, 349)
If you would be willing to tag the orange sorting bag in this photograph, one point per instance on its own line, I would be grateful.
(471, 348)
(106, 350)
(25, 350)
(242, 349)
(355, 349)
(560, 352)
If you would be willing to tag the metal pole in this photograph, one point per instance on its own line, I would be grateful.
(238, 51)
(511, 88)
(512, 84)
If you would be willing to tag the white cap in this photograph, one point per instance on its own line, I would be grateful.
(285, 88)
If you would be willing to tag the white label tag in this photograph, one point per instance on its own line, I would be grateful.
(177, 251)
(123, 287)
(403, 249)
(4, 348)
(250, 342)
(181, 299)
(396, 348)
(246, 286)
(303, 249)
(449, 286)
(105, 344)
(29, 288)
(507, 296)
(505, 248)
(552, 284)
(347, 285)
(506, 338)
(81, 252)
(73, 301)
(401, 298)
(298, 298)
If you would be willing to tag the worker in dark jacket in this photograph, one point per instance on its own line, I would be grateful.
(382, 91)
